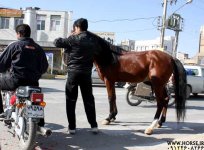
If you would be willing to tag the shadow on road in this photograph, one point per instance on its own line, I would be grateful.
(44, 90)
(181, 128)
(196, 98)
(196, 107)
(115, 139)
(168, 127)
(85, 140)
(54, 126)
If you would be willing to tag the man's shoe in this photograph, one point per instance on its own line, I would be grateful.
(71, 131)
(8, 121)
(2, 116)
(94, 130)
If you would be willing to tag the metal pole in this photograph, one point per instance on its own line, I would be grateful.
(175, 43)
(163, 24)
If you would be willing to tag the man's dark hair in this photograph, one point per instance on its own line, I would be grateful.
(81, 23)
(24, 30)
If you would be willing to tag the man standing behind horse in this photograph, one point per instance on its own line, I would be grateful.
(80, 47)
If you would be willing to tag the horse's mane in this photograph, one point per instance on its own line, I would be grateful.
(106, 52)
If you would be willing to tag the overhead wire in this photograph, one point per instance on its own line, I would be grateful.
(122, 20)
(118, 20)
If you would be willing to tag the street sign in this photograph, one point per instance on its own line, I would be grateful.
(5, 12)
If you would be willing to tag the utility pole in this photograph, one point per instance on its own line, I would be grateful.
(176, 27)
(175, 43)
(163, 24)
(175, 23)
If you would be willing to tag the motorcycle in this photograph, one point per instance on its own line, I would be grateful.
(24, 114)
(139, 92)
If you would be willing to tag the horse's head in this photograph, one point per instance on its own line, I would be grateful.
(104, 52)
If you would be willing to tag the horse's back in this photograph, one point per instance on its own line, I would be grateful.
(147, 64)
(146, 58)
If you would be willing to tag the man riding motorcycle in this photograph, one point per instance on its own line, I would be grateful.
(22, 63)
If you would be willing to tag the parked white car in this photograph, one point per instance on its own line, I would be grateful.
(195, 79)
(97, 80)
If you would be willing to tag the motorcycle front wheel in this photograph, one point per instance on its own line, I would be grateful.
(28, 139)
(129, 97)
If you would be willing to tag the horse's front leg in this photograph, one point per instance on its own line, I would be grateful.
(160, 115)
(155, 122)
(112, 102)
(162, 118)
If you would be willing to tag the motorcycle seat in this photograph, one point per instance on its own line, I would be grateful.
(25, 91)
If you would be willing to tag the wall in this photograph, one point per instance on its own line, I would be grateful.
(45, 37)
(47, 34)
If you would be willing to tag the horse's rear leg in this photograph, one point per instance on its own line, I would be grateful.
(112, 103)
(160, 115)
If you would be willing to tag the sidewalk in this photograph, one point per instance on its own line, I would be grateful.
(60, 76)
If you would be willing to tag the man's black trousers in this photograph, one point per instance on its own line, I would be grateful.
(83, 80)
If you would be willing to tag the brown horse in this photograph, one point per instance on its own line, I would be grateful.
(115, 64)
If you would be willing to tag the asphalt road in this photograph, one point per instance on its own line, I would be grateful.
(127, 132)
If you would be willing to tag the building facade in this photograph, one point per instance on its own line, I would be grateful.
(45, 25)
(108, 36)
(144, 45)
(128, 44)
(201, 47)
(182, 56)
(198, 59)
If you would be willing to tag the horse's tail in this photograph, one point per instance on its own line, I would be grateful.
(179, 88)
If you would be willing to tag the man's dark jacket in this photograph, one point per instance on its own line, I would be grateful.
(80, 49)
(25, 60)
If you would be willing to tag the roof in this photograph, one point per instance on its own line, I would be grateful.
(43, 44)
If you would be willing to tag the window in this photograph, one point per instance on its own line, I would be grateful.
(55, 23)
(4, 23)
(192, 72)
(136, 48)
(41, 22)
(18, 21)
(165, 47)
(195, 71)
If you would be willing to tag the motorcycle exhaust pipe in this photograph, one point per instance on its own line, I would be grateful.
(44, 131)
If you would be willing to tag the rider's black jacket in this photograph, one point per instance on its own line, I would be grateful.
(80, 49)
(25, 60)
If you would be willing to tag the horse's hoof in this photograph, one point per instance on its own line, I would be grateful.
(105, 122)
(159, 126)
(148, 131)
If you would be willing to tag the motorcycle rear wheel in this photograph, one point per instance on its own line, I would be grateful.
(131, 101)
(27, 141)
